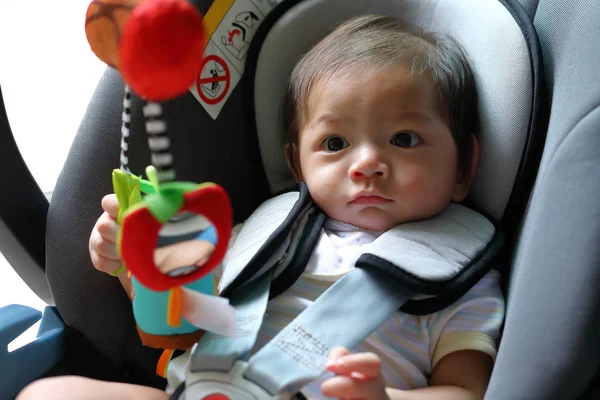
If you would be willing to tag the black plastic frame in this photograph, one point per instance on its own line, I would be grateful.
(23, 211)
(538, 127)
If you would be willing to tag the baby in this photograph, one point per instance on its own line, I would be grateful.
(383, 130)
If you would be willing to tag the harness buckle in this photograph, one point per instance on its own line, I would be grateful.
(232, 385)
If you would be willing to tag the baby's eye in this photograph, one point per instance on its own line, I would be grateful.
(335, 143)
(406, 139)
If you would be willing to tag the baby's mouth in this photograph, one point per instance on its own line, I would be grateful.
(370, 199)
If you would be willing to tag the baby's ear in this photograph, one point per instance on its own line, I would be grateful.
(293, 160)
(465, 180)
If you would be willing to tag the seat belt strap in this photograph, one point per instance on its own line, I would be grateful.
(344, 315)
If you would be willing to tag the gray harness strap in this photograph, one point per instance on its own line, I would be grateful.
(352, 307)
(342, 316)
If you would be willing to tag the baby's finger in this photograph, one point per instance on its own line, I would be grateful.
(104, 264)
(335, 353)
(108, 228)
(110, 204)
(347, 388)
(107, 250)
(360, 365)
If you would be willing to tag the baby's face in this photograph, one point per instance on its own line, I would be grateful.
(376, 149)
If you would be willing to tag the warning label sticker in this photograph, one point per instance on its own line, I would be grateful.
(215, 81)
(231, 26)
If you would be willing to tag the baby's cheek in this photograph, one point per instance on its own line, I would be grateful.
(321, 191)
(321, 178)
(424, 192)
(413, 182)
(325, 192)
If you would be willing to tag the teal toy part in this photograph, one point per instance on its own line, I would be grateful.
(33, 360)
(150, 308)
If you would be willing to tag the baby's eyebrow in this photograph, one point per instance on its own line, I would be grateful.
(328, 117)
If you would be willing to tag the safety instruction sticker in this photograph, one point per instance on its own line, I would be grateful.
(231, 25)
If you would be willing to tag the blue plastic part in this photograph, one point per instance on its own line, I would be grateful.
(32, 361)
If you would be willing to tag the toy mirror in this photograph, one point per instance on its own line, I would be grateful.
(185, 243)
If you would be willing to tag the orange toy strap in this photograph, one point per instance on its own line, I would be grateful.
(163, 362)
(174, 308)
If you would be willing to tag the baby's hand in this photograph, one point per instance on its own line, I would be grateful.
(103, 247)
(358, 376)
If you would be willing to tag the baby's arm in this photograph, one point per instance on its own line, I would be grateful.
(79, 388)
(462, 375)
(465, 336)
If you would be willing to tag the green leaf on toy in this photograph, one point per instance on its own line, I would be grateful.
(127, 189)
(169, 199)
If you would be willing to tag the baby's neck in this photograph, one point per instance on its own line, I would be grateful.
(340, 226)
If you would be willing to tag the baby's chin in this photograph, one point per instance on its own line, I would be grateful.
(376, 219)
(371, 221)
(377, 226)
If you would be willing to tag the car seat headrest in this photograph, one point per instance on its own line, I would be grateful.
(496, 48)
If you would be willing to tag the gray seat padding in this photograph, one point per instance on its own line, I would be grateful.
(550, 347)
(89, 301)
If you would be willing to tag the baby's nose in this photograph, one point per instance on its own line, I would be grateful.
(369, 164)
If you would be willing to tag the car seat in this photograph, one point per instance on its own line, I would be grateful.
(549, 348)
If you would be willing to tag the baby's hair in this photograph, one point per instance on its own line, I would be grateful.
(382, 42)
